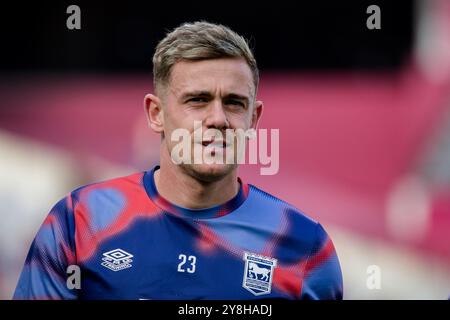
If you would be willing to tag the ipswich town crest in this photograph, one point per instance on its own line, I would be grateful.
(258, 273)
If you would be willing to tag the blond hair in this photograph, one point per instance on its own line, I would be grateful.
(199, 41)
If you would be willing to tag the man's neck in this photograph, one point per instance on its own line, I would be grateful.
(183, 190)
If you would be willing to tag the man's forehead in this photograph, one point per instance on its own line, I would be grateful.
(228, 75)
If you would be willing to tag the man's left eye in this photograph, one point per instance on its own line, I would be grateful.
(236, 103)
(197, 100)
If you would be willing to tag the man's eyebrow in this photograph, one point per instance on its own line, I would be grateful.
(207, 94)
(237, 96)
(199, 93)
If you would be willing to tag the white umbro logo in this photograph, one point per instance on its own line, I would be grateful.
(117, 260)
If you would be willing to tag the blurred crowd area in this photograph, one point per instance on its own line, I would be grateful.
(365, 153)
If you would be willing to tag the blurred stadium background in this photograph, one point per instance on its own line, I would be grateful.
(364, 119)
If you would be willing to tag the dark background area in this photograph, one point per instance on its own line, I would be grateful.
(121, 36)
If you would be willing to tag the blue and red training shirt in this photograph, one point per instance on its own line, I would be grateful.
(131, 243)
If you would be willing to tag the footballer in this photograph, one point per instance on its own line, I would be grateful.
(189, 229)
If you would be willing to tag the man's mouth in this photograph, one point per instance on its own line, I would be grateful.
(215, 144)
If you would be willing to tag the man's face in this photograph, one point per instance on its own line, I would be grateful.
(219, 93)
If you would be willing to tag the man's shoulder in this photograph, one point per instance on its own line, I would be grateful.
(99, 205)
(114, 191)
(297, 216)
(304, 233)
(124, 182)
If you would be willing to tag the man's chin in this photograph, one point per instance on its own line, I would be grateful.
(209, 172)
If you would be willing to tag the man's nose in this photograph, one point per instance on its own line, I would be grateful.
(216, 116)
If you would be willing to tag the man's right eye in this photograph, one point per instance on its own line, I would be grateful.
(197, 100)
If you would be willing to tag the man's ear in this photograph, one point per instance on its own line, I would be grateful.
(154, 112)
(256, 115)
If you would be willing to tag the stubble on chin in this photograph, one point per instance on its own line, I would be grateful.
(208, 173)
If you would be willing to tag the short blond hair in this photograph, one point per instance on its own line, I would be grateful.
(199, 41)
